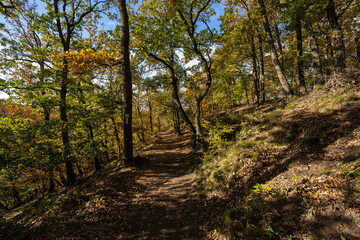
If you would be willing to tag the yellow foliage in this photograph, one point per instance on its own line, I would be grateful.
(86, 60)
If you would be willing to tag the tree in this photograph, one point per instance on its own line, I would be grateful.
(200, 42)
(126, 73)
(337, 35)
(161, 46)
(66, 23)
(273, 54)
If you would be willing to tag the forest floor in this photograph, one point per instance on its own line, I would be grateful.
(154, 200)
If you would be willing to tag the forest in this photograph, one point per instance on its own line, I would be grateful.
(248, 108)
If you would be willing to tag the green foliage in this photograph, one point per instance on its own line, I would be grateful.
(220, 132)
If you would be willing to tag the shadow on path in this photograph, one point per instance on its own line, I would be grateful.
(154, 201)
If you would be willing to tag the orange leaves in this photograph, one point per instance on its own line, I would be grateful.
(17, 111)
(87, 60)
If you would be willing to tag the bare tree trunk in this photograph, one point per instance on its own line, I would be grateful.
(262, 69)
(70, 174)
(150, 117)
(141, 122)
(51, 184)
(104, 144)
(300, 61)
(255, 72)
(273, 54)
(197, 118)
(337, 35)
(116, 133)
(315, 55)
(178, 121)
(94, 147)
(329, 54)
(126, 72)
(278, 39)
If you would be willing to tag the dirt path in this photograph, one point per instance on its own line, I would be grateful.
(156, 200)
(168, 207)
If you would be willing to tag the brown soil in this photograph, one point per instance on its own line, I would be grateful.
(155, 200)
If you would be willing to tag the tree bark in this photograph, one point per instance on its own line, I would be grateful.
(329, 54)
(141, 122)
(315, 55)
(116, 133)
(51, 184)
(126, 72)
(97, 165)
(176, 99)
(273, 54)
(337, 35)
(300, 62)
(255, 72)
(150, 117)
(278, 39)
(197, 119)
(262, 69)
(70, 174)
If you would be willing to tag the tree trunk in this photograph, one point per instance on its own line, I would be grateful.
(300, 62)
(176, 99)
(159, 123)
(105, 143)
(337, 35)
(116, 133)
(141, 122)
(278, 39)
(273, 54)
(51, 184)
(70, 174)
(178, 121)
(357, 45)
(255, 72)
(126, 72)
(198, 119)
(329, 54)
(81, 172)
(97, 165)
(262, 69)
(150, 117)
(315, 56)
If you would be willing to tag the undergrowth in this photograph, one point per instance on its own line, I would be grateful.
(239, 143)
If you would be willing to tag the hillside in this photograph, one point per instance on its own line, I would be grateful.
(290, 172)
(279, 171)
